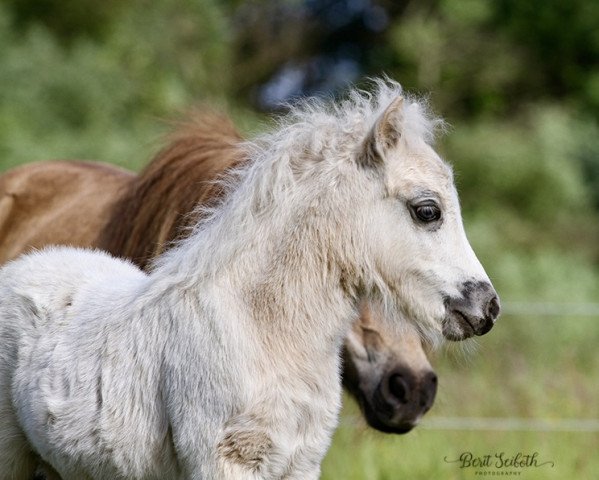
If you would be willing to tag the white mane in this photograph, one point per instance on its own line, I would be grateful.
(354, 116)
(314, 129)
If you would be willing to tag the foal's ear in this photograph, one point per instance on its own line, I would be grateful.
(384, 135)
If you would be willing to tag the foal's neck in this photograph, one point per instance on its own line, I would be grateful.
(284, 284)
(299, 310)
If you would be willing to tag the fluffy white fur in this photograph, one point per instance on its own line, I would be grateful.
(224, 361)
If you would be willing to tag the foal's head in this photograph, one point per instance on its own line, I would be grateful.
(421, 249)
(354, 196)
(389, 209)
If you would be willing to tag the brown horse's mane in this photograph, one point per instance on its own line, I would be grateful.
(154, 211)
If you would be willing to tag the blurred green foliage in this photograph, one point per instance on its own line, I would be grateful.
(101, 99)
(492, 56)
(69, 20)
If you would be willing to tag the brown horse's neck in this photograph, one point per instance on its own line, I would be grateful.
(158, 207)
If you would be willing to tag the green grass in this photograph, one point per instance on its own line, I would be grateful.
(357, 454)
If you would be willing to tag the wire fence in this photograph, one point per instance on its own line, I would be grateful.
(508, 424)
(544, 309)
(499, 424)
(526, 309)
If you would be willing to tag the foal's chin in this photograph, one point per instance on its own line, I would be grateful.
(456, 328)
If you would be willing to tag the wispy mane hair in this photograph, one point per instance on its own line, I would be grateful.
(317, 128)
(359, 110)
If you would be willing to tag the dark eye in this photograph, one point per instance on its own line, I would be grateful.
(426, 212)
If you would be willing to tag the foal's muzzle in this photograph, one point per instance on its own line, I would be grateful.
(473, 313)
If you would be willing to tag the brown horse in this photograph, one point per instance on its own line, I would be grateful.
(96, 205)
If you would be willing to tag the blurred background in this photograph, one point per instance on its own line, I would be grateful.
(518, 82)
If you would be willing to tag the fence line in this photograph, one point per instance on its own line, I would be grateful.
(510, 424)
(503, 424)
(546, 309)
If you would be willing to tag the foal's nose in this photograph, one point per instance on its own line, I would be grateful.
(478, 306)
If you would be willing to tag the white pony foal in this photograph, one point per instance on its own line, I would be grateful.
(223, 362)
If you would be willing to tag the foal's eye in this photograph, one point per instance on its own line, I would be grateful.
(426, 212)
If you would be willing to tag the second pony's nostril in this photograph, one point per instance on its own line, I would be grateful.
(429, 390)
(398, 387)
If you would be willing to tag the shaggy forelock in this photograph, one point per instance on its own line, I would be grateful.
(314, 123)
(317, 135)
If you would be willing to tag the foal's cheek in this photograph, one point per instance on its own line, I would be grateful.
(384, 230)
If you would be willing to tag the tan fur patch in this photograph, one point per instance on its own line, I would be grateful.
(248, 448)
(56, 203)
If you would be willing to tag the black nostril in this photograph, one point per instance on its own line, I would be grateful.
(493, 308)
(429, 390)
(485, 326)
(398, 387)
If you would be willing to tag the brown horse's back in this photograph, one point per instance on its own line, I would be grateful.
(56, 203)
(159, 205)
